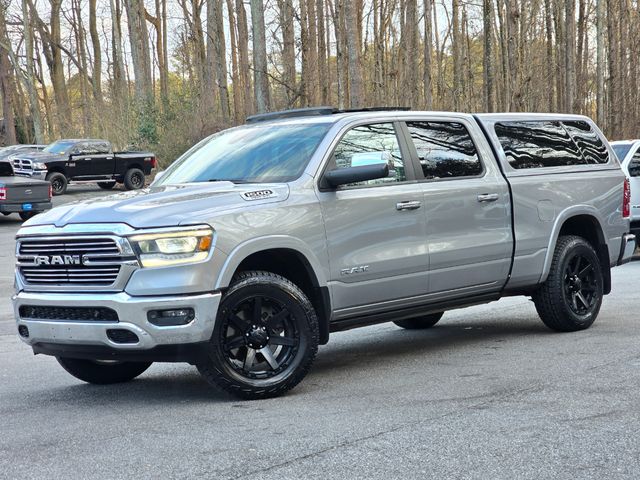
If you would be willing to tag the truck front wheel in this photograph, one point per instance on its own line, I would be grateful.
(134, 179)
(570, 298)
(58, 182)
(102, 372)
(265, 337)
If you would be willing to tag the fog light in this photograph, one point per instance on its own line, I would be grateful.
(166, 318)
(23, 331)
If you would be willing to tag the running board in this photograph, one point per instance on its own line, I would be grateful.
(410, 312)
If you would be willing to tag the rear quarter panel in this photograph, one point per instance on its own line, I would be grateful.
(545, 198)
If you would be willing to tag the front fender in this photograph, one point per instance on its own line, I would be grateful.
(255, 245)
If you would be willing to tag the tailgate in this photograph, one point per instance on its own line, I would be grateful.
(27, 192)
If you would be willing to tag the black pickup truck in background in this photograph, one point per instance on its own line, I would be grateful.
(24, 196)
(88, 161)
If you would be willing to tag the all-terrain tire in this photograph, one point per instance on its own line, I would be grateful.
(134, 179)
(570, 298)
(102, 373)
(58, 182)
(261, 310)
(419, 323)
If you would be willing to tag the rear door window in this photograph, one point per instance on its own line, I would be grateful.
(588, 141)
(537, 145)
(445, 149)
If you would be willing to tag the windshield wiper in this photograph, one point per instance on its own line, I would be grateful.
(232, 180)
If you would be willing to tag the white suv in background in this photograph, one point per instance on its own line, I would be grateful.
(628, 151)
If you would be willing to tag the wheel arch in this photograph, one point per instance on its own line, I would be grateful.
(283, 256)
(585, 222)
(57, 169)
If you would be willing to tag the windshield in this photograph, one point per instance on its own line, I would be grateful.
(58, 147)
(621, 150)
(249, 154)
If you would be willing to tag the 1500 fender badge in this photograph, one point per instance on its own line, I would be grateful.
(259, 194)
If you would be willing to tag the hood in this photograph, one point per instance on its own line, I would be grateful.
(165, 206)
(38, 156)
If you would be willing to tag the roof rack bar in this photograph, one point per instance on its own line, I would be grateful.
(296, 112)
(314, 111)
(374, 109)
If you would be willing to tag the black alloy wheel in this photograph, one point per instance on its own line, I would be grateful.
(265, 337)
(134, 179)
(571, 296)
(580, 284)
(259, 337)
(58, 183)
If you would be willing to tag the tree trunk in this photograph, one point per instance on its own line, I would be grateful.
(356, 92)
(243, 48)
(260, 73)
(96, 74)
(139, 40)
(8, 125)
(288, 51)
(56, 68)
(488, 101)
(428, 53)
(217, 53)
(570, 56)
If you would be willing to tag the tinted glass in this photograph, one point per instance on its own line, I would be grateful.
(252, 153)
(590, 144)
(634, 166)
(5, 169)
(537, 144)
(58, 147)
(445, 149)
(368, 145)
(621, 150)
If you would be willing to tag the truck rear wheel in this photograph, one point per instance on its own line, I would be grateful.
(102, 372)
(134, 179)
(58, 182)
(265, 337)
(570, 298)
(418, 323)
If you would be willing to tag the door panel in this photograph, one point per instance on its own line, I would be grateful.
(470, 241)
(467, 210)
(376, 232)
(377, 253)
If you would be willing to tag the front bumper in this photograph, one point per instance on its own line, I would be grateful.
(132, 315)
(36, 174)
(627, 248)
(19, 207)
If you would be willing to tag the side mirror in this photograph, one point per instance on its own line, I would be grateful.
(158, 177)
(343, 176)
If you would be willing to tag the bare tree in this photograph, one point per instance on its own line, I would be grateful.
(260, 73)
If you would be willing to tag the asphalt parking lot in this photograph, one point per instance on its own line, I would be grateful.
(489, 393)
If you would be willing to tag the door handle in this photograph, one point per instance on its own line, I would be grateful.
(488, 197)
(409, 205)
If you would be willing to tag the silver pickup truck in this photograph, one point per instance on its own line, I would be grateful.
(262, 239)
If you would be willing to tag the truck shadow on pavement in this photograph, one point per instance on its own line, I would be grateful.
(381, 350)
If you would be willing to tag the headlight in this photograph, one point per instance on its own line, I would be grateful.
(39, 166)
(174, 247)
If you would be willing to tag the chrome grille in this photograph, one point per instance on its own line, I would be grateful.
(72, 261)
(22, 166)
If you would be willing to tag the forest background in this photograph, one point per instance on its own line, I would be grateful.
(162, 74)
